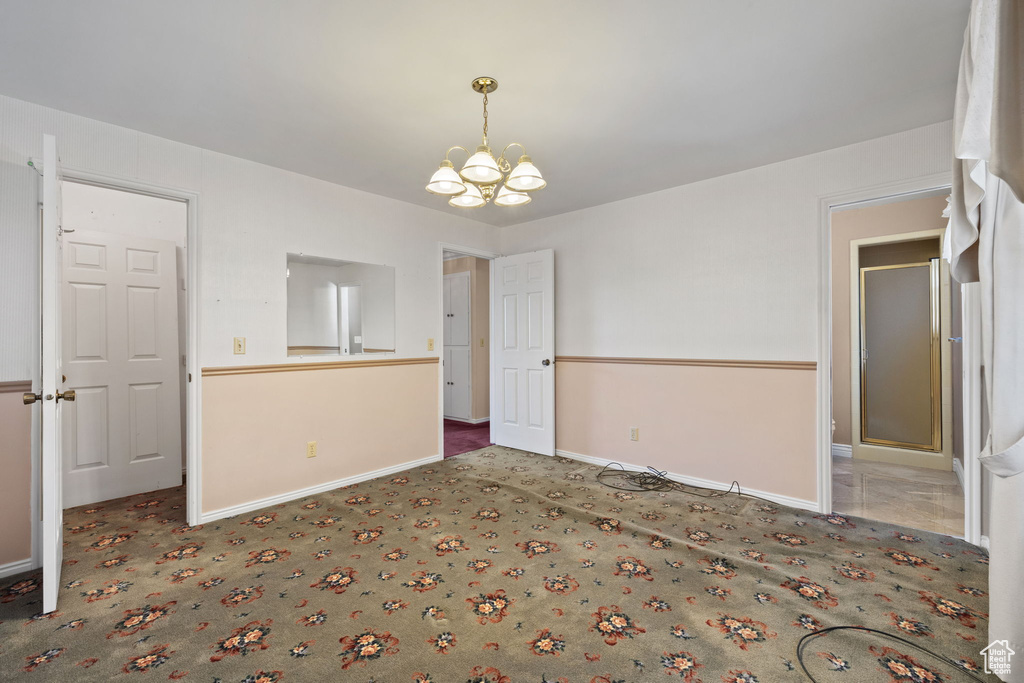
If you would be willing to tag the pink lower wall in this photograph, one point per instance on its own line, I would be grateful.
(754, 425)
(16, 466)
(256, 426)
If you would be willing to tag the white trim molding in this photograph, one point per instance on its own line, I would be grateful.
(842, 450)
(17, 567)
(253, 505)
(697, 481)
(469, 421)
(958, 470)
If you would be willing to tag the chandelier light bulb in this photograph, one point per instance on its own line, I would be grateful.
(470, 199)
(481, 168)
(507, 197)
(446, 181)
(525, 177)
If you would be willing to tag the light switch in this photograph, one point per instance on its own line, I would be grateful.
(239, 345)
(430, 344)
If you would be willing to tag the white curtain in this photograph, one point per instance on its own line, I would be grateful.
(986, 235)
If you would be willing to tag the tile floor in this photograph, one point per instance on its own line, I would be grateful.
(917, 497)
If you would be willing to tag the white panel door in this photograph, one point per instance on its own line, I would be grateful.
(447, 304)
(458, 318)
(51, 390)
(123, 433)
(523, 339)
(458, 367)
(447, 360)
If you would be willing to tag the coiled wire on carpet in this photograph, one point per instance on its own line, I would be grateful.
(614, 475)
(817, 634)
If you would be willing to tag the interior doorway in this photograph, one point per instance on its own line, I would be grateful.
(465, 351)
(124, 341)
(897, 454)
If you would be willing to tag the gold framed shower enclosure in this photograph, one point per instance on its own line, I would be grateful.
(878, 426)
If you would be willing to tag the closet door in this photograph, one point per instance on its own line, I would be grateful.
(447, 360)
(447, 304)
(460, 372)
(457, 327)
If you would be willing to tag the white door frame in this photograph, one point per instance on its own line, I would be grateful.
(971, 350)
(193, 391)
(439, 342)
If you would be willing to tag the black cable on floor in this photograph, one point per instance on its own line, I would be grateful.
(810, 636)
(618, 477)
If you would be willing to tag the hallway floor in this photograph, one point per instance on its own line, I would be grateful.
(462, 437)
(917, 497)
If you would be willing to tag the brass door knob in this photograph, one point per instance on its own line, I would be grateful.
(546, 362)
(30, 398)
(68, 395)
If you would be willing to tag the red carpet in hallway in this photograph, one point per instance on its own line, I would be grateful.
(460, 437)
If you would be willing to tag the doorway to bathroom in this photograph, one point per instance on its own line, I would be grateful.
(897, 448)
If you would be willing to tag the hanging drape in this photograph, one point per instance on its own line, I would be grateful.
(986, 235)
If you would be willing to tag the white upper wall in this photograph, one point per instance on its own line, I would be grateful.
(88, 207)
(250, 217)
(724, 268)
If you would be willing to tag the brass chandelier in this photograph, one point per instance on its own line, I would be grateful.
(478, 181)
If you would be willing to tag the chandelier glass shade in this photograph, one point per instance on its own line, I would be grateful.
(483, 177)
(507, 197)
(446, 181)
(471, 198)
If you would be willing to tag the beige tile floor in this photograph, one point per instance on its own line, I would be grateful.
(916, 497)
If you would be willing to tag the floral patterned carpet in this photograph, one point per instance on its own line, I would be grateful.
(495, 566)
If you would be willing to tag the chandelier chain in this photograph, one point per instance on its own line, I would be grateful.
(485, 115)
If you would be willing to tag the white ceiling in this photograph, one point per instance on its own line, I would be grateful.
(612, 99)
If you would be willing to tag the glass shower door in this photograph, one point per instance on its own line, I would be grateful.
(900, 356)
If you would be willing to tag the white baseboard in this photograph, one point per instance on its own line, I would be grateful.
(12, 568)
(469, 421)
(254, 505)
(983, 542)
(958, 470)
(842, 450)
(696, 481)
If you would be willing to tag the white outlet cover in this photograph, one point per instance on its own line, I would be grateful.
(358, 339)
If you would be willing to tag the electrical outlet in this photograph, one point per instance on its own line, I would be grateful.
(239, 345)
(634, 433)
(430, 345)
(311, 449)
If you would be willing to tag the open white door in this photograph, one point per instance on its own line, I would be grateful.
(51, 389)
(122, 435)
(523, 338)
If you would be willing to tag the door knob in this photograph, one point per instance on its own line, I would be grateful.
(68, 395)
(545, 362)
(30, 398)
